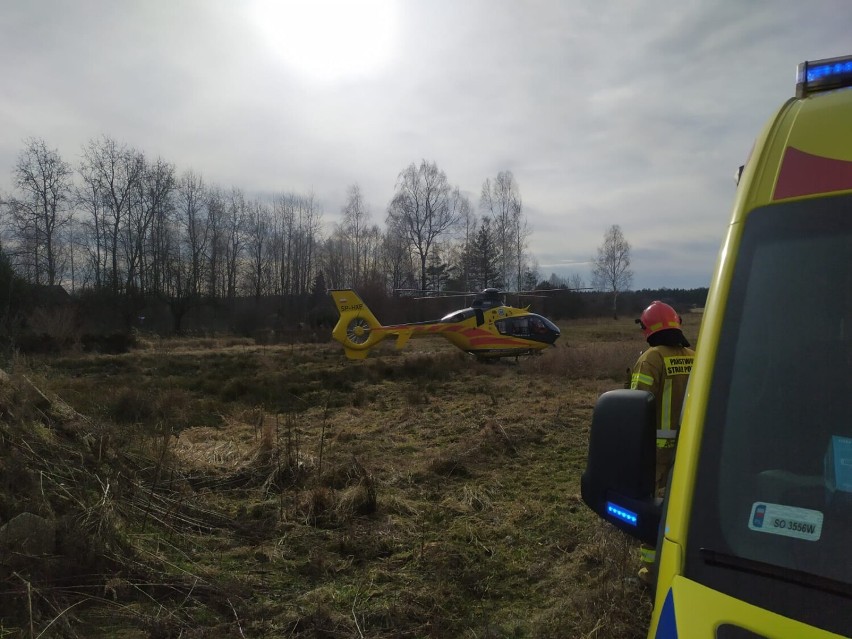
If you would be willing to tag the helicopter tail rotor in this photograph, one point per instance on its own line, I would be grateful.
(356, 328)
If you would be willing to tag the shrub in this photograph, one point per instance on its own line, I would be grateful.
(42, 343)
(131, 406)
(108, 343)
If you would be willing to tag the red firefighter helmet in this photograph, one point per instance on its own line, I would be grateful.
(658, 317)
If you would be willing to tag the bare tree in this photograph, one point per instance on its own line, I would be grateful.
(153, 203)
(292, 230)
(237, 213)
(396, 261)
(195, 228)
(310, 226)
(354, 229)
(333, 257)
(468, 227)
(423, 209)
(501, 199)
(89, 197)
(611, 271)
(160, 183)
(282, 242)
(373, 275)
(39, 216)
(257, 226)
(185, 245)
(575, 282)
(216, 216)
(521, 233)
(352, 256)
(111, 173)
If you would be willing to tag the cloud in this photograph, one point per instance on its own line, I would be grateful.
(624, 113)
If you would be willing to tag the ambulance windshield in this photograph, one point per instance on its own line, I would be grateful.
(777, 452)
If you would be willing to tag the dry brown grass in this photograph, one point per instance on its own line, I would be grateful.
(284, 491)
(596, 360)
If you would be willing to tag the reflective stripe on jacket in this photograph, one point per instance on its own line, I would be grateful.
(664, 371)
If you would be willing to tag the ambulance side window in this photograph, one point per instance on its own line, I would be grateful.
(780, 403)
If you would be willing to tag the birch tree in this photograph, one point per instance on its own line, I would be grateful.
(611, 271)
(423, 209)
(501, 200)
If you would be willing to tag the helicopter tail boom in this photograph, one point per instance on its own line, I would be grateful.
(356, 328)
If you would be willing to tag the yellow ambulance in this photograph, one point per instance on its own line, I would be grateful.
(754, 536)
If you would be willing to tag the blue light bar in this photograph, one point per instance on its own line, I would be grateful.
(826, 70)
(823, 75)
(622, 514)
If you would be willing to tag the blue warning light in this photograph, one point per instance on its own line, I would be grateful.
(622, 514)
(823, 75)
(827, 70)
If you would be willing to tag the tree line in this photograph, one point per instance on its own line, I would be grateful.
(132, 230)
(139, 243)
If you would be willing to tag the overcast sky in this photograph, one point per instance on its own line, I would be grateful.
(628, 112)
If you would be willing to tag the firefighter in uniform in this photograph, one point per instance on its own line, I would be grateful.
(663, 370)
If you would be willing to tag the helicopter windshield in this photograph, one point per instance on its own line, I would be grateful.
(529, 326)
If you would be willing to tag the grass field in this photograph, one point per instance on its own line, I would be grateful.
(215, 488)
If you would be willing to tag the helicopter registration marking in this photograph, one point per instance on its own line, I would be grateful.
(351, 307)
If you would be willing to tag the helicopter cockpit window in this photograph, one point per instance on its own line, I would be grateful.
(530, 326)
(537, 326)
(518, 326)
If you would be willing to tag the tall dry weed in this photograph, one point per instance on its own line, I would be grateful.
(61, 323)
(593, 360)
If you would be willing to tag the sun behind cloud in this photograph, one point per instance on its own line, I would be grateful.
(329, 40)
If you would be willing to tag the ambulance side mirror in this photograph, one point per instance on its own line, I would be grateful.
(619, 481)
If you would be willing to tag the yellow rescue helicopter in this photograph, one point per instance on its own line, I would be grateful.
(487, 329)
